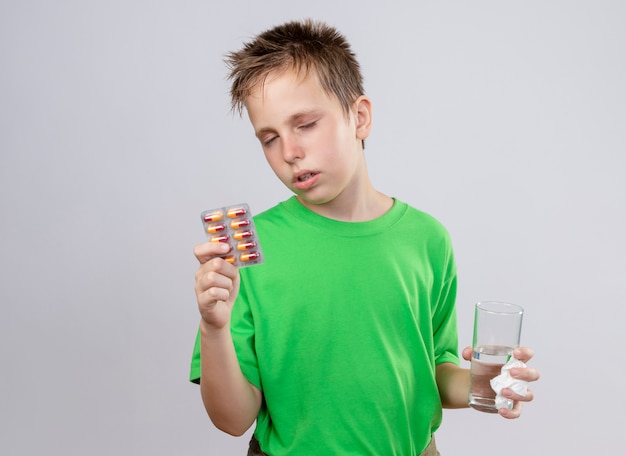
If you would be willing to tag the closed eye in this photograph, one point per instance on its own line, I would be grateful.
(309, 125)
(268, 141)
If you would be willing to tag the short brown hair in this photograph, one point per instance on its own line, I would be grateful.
(302, 46)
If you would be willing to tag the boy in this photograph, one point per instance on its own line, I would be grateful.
(344, 340)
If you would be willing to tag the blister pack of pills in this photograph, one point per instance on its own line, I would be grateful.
(234, 225)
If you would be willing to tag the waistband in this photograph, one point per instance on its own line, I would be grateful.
(254, 448)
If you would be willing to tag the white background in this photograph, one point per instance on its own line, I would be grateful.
(504, 119)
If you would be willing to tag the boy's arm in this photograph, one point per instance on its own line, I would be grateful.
(453, 383)
(230, 400)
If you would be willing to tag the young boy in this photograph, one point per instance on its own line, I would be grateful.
(344, 341)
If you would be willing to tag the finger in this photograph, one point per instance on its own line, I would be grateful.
(524, 354)
(510, 394)
(213, 295)
(515, 412)
(216, 289)
(467, 353)
(529, 374)
(208, 250)
(215, 273)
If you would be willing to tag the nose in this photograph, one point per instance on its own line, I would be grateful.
(291, 150)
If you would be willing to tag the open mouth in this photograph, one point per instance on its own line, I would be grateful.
(306, 180)
(305, 177)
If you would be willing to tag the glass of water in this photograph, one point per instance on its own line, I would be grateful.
(497, 330)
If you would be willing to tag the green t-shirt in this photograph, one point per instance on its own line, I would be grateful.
(341, 329)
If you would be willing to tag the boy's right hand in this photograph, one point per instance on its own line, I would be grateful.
(217, 284)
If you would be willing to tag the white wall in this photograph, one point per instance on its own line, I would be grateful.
(503, 119)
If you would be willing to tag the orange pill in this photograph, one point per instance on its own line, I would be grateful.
(239, 223)
(222, 238)
(236, 212)
(249, 256)
(212, 217)
(246, 245)
(229, 258)
(242, 234)
(215, 227)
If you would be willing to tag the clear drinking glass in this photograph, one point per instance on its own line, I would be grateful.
(497, 330)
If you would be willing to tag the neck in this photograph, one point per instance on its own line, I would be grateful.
(368, 205)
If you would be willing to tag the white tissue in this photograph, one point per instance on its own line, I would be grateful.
(504, 380)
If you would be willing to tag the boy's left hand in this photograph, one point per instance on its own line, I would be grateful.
(528, 374)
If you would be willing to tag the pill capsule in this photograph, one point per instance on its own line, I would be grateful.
(215, 228)
(249, 256)
(212, 217)
(236, 212)
(229, 258)
(219, 238)
(239, 223)
(246, 245)
(242, 234)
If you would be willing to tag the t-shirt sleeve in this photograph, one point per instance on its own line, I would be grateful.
(195, 371)
(445, 331)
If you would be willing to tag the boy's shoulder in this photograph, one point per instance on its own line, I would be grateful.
(423, 217)
(279, 210)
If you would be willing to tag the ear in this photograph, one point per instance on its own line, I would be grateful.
(363, 111)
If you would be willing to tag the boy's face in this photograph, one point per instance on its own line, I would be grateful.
(310, 143)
